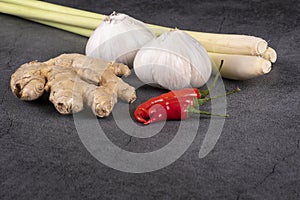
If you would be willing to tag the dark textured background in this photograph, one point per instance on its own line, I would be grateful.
(256, 157)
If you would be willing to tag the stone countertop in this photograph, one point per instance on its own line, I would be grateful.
(256, 156)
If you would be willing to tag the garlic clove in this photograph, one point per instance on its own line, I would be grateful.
(118, 38)
(174, 60)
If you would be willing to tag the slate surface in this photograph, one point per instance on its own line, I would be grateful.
(256, 157)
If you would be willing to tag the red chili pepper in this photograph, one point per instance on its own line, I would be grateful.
(184, 95)
(173, 108)
(141, 113)
(187, 92)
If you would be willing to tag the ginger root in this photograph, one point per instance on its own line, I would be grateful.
(74, 80)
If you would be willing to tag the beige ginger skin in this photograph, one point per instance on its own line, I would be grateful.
(74, 80)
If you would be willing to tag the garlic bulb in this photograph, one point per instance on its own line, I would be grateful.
(118, 38)
(174, 60)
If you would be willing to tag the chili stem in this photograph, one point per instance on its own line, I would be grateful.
(192, 110)
(200, 102)
(223, 95)
(213, 85)
(204, 93)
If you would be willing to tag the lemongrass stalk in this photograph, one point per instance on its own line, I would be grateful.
(55, 8)
(230, 43)
(225, 43)
(73, 29)
(240, 67)
(213, 42)
(45, 15)
(270, 54)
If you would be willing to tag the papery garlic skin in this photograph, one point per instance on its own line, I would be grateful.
(118, 38)
(174, 60)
